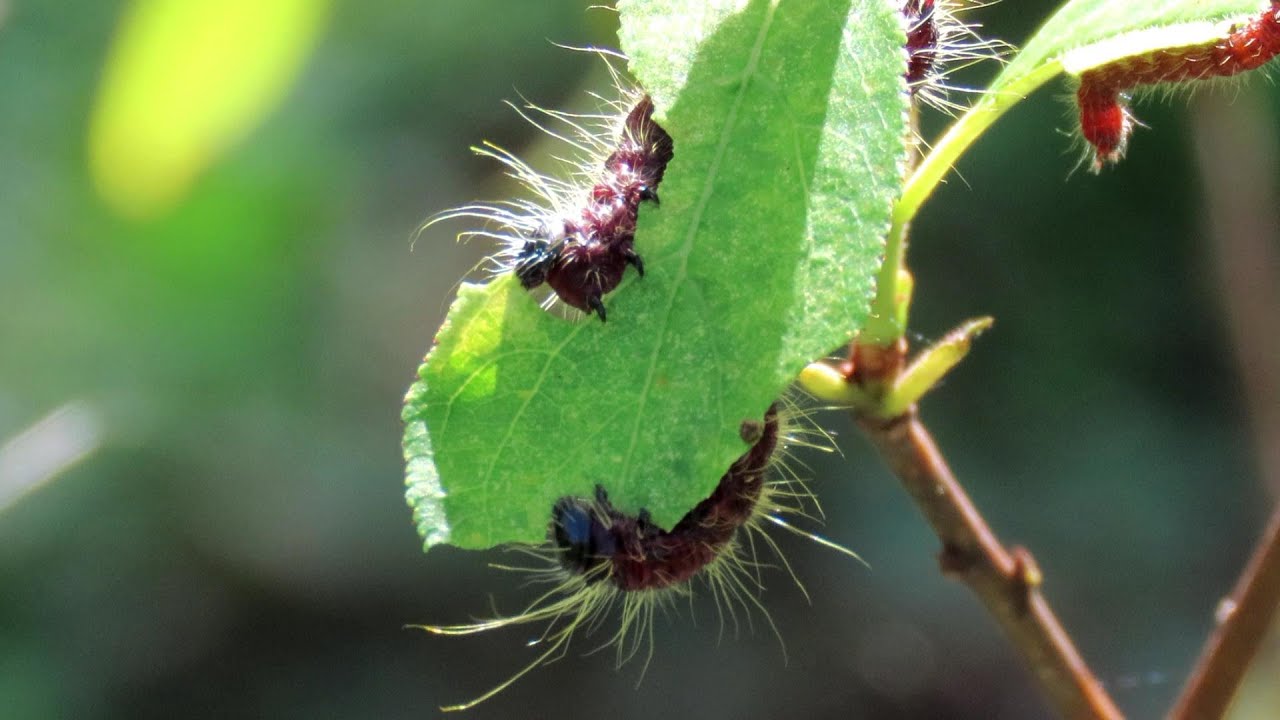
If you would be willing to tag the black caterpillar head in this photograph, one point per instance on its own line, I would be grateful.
(535, 260)
(583, 541)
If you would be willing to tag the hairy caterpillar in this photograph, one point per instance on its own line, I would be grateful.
(578, 235)
(603, 544)
(584, 256)
(600, 558)
(939, 43)
(1103, 96)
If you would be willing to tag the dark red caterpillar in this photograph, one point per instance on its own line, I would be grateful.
(602, 559)
(584, 257)
(922, 40)
(1103, 95)
(602, 544)
(938, 44)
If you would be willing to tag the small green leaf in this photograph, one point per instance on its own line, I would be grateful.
(789, 123)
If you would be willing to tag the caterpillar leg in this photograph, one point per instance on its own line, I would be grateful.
(597, 306)
(633, 259)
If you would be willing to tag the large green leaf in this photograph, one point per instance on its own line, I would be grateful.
(789, 122)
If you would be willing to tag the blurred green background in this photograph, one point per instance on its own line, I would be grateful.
(236, 544)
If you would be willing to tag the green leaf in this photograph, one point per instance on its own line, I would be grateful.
(789, 122)
(1082, 35)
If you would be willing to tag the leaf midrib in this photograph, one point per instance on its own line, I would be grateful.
(686, 248)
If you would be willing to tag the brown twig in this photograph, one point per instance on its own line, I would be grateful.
(1243, 621)
(1237, 152)
(1007, 581)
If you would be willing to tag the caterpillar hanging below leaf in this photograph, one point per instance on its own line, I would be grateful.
(601, 558)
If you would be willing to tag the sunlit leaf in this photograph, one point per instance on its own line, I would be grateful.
(789, 121)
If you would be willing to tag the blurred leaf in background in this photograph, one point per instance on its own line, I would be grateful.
(186, 79)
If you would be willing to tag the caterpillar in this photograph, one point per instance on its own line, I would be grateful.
(939, 44)
(583, 258)
(578, 235)
(599, 557)
(601, 543)
(1103, 96)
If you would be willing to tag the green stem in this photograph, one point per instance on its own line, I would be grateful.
(883, 326)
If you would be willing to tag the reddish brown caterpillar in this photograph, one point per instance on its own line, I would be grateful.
(599, 557)
(603, 544)
(584, 257)
(576, 234)
(939, 44)
(922, 40)
(1104, 92)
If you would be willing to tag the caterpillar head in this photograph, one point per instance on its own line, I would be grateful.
(583, 542)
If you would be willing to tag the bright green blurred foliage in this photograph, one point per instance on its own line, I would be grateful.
(185, 79)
